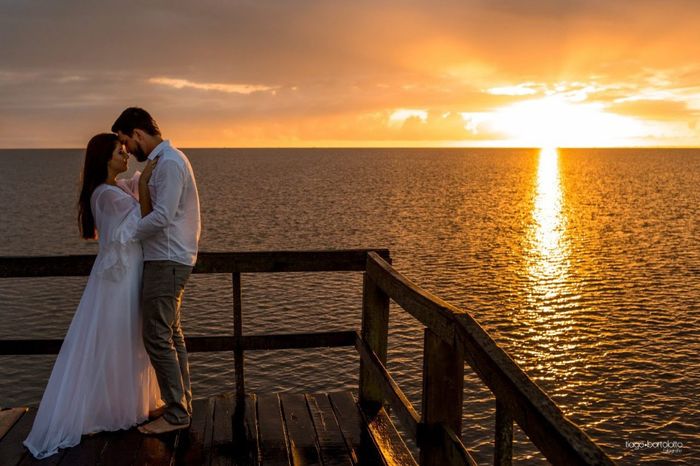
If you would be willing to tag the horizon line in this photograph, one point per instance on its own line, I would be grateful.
(382, 147)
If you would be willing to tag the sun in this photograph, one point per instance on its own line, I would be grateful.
(554, 121)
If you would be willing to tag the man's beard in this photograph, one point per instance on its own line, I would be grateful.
(139, 154)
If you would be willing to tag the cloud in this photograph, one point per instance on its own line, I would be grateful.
(399, 117)
(219, 87)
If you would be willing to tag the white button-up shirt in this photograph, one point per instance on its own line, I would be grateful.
(171, 231)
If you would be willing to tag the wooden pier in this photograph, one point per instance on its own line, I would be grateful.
(275, 429)
(325, 429)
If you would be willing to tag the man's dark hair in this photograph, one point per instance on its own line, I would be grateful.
(135, 118)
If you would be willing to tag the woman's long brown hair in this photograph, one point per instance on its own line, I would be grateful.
(97, 154)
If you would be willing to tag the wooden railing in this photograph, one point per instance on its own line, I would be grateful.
(452, 337)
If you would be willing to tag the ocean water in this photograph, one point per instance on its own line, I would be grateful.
(583, 264)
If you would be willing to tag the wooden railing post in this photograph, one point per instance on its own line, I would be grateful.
(375, 331)
(238, 333)
(443, 381)
(503, 452)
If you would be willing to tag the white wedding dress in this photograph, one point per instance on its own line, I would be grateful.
(102, 379)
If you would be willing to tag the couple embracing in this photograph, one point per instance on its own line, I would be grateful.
(123, 360)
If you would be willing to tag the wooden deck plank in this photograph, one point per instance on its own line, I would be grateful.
(222, 435)
(272, 437)
(11, 449)
(353, 428)
(122, 448)
(300, 430)
(8, 418)
(195, 443)
(334, 452)
(87, 452)
(52, 460)
(158, 449)
(245, 432)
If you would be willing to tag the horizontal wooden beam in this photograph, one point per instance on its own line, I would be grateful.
(210, 344)
(45, 266)
(402, 407)
(346, 260)
(274, 342)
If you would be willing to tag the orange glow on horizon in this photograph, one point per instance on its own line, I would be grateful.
(542, 121)
(555, 122)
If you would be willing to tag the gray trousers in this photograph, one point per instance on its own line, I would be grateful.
(163, 287)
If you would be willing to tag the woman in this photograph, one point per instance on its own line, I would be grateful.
(102, 379)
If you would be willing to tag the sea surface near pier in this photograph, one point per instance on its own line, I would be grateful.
(583, 264)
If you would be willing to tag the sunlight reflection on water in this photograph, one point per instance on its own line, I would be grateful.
(548, 264)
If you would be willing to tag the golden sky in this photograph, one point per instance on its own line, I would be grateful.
(288, 73)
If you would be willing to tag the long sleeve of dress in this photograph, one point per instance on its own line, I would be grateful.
(131, 185)
(116, 216)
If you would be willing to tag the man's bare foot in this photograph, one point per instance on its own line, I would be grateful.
(156, 413)
(161, 426)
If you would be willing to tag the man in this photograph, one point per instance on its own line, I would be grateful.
(169, 235)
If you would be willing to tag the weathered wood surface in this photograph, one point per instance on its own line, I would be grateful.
(388, 441)
(11, 449)
(285, 261)
(222, 435)
(245, 431)
(453, 450)
(389, 389)
(195, 441)
(443, 386)
(375, 334)
(354, 429)
(272, 435)
(300, 430)
(122, 447)
(8, 417)
(291, 429)
(207, 262)
(334, 451)
(208, 344)
(238, 352)
(152, 450)
(503, 449)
